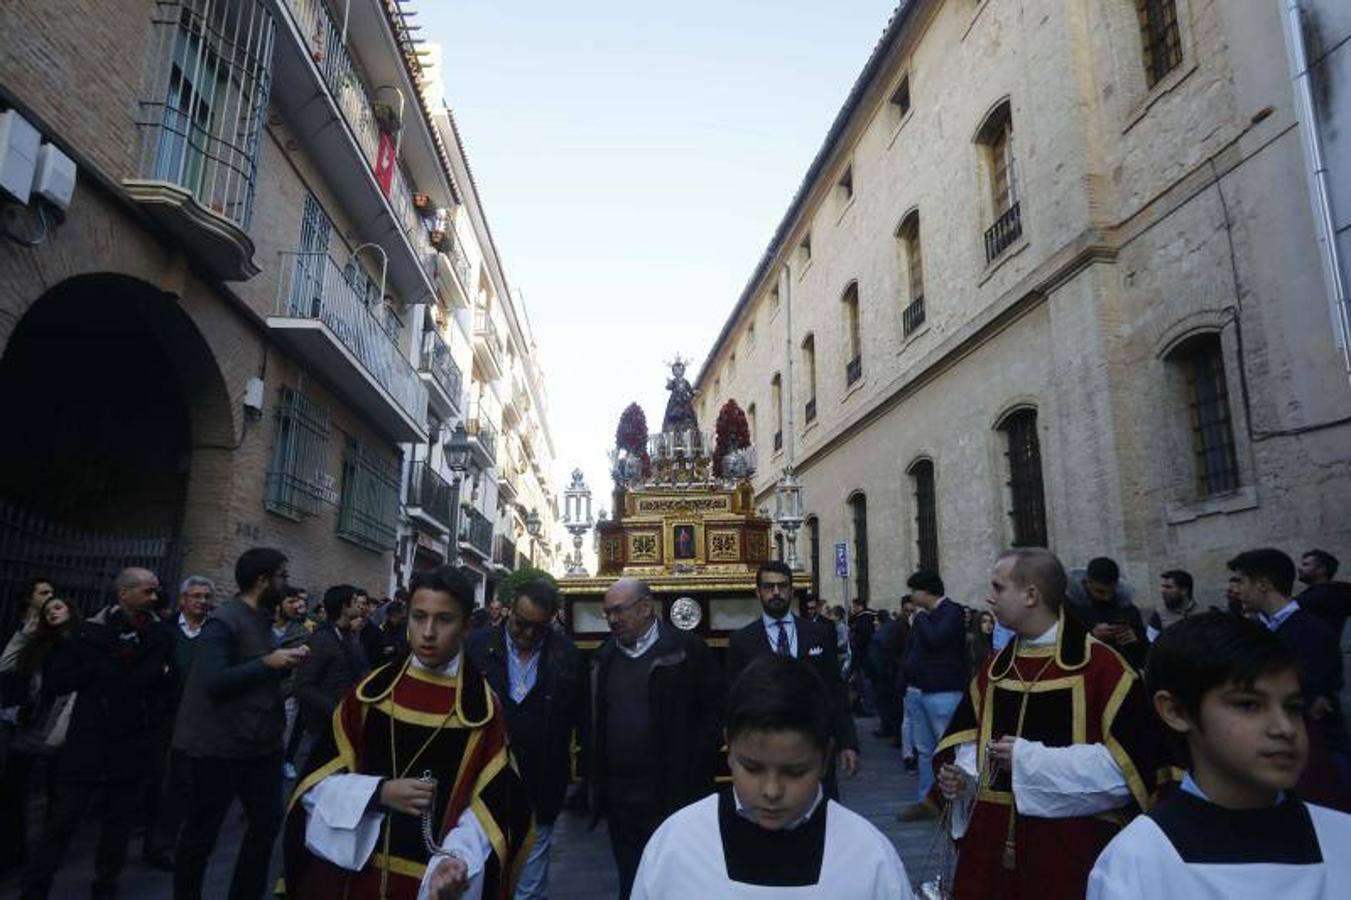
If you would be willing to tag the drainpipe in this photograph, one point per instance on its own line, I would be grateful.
(788, 329)
(1317, 171)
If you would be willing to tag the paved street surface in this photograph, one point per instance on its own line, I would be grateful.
(581, 859)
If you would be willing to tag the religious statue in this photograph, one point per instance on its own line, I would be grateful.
(680, 407)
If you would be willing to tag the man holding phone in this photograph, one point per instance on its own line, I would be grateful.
(1103, 602)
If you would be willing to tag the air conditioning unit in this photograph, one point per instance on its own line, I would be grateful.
(55, 178)
(19, 143)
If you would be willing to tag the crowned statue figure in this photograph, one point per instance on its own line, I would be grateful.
(680, 407)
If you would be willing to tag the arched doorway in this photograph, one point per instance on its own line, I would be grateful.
(105, 383)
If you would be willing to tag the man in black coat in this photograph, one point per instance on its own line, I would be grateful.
(324, 677)
(537, 673)
(116, 664)
(779, 631)
(656, 723)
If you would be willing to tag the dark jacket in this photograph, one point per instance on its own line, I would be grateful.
(540, 726)
(1121, 611)
(686, 693)
(816, 645)
(935, 660)
(324, 677)
(232, 704)
(119, 673)
(1329, 601)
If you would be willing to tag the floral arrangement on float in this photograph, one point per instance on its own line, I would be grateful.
(733, 456)
(629, 461)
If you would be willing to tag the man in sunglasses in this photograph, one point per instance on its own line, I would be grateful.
(537, 672)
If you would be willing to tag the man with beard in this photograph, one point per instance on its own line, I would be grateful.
(230, 724)
(779, 632)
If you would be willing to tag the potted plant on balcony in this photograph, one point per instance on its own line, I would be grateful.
(386, 116)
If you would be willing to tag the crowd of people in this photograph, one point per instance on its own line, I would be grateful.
(1068, 743)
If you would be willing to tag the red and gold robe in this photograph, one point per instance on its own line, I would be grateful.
(399, 722)
(1078, 691)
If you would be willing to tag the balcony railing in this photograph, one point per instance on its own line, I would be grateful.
(854, 370)
(811, 410)
(313, 288)
(440, 365)
(913, 317)
(476, 530)
(430, 493)
(1005, 230)
(480, 429)
(339, 73)
(201, 123)
(506, 552)
(778, 441)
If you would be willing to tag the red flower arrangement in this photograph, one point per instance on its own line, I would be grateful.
(732, 433)
(631, 435)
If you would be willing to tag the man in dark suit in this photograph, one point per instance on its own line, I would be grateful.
(537, 673)
(656, 723)
(333, 666)
(779, 631)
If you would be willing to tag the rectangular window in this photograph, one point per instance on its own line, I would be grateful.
(900, 98)
(296, 481)
(1212, 427)
(846, 185)
(368, 514)
(805, 248)
(1026, 495)
(1160, 38)
(1003, 177)
(774, 300)
(926, 514)
(859, 507)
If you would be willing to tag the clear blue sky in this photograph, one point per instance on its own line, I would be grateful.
(634, 160)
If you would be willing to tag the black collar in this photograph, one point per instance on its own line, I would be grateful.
(1202, 832)
(756, 855)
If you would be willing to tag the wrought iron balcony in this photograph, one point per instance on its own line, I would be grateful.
(811, 410)
(487, 343)
(506, 552)
(430, 497)
(482, 437)
(476, 533)
(439, 372)
(854, 370)
(453, 272)
(324, 319)
(323, 96)
(200, 126)
(1005, 230)
(913, 317)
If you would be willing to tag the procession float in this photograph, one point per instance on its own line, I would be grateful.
(684, 520)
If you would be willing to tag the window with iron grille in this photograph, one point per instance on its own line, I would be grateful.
(368, 515)
(809, 367)
(858, 507)
(296, 479)
(814, 553)
(1026, 496)
(210, 80)
(776, 397)
(778, 545)
(1212, 427)
(1159, 37)
(926, 513)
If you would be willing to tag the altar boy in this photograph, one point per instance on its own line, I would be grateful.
(1229, 690)
(773, 834)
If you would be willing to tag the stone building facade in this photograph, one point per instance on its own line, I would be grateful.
(258, 320)
(1051, 279)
